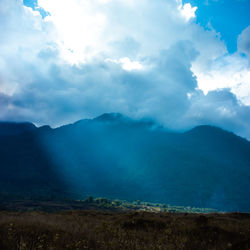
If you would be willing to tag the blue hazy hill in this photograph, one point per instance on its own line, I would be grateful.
(117, 157)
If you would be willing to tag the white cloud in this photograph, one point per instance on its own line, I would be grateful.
(78, 27)
(229, 71)
(187, 11)
(84, 29)
(127, 64)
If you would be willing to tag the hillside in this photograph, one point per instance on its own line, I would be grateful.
(119, 158)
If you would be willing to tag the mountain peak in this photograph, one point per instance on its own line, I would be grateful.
(111, 117)
(205, 128)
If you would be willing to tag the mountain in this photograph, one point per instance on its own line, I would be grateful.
(12, 128)
(114, 156)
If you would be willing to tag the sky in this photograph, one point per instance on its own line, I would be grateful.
(180, 63)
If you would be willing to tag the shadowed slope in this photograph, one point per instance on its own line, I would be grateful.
(26, 170)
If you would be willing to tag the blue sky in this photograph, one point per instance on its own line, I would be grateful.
(229, 17)
(180, 63)
(30, 3)
(33, 5)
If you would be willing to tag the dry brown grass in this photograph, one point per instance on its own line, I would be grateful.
(128, 230)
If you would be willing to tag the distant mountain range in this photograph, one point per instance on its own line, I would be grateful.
(114, 156)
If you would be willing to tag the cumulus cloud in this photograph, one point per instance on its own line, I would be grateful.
(227, 71)
(141, 58)
(244, 42)
(230, 71)
(187, 11)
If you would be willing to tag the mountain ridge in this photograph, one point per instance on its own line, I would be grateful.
(116, 157)
(110, 118)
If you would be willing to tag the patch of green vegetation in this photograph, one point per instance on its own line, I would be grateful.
(143, 206)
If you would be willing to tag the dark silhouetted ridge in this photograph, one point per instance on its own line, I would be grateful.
(13, 128)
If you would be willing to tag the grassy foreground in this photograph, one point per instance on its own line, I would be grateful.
(88, 229)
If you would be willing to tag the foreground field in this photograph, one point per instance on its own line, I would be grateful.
(123, 230)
